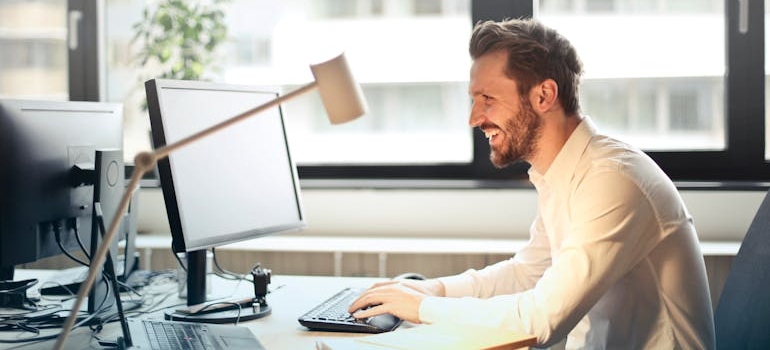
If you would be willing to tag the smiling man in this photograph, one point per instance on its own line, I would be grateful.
(613, 259)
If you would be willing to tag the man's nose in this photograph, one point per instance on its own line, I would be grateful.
(477, 116)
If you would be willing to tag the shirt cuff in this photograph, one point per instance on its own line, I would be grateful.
(433, 309)
(457, 286)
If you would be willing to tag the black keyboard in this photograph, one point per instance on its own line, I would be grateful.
(332, 315)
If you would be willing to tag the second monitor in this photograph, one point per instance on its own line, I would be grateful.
(235, 185)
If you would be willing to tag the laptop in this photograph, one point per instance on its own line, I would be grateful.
(161, 335)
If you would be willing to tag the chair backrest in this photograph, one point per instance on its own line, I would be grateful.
(742, 317)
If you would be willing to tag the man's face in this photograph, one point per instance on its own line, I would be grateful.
(505, 117)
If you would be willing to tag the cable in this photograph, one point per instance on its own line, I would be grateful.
(25, 315)
(149, 299)
(237, 317)
(76, 228)
(103, 304)
(56, 226)
(149, 302)
(47, 337)
(179, 260)
(225, 273)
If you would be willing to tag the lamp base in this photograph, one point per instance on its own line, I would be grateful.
(230, 315)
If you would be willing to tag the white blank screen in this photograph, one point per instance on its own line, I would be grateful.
(238, 183)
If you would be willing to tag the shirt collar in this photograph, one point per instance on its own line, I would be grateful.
(563, 166)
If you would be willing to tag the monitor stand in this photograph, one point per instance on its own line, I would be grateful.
(223, 311)
(6, 272)
(109, 181)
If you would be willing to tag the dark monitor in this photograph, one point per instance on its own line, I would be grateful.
(41, 142)
(231, 186)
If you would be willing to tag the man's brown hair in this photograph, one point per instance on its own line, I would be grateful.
(535, 53)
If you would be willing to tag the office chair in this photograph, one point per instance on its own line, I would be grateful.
(742, 317)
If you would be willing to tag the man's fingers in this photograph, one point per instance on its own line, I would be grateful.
(373, 297)
(372, 311)
(364, 300)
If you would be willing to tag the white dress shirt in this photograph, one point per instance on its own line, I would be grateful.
(613, 260)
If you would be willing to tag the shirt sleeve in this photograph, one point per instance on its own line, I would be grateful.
(610, 224)
(514, 275)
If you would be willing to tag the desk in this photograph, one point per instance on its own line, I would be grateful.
(290, 297)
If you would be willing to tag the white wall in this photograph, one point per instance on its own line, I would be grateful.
(487, 213)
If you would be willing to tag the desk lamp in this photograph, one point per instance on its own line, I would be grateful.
(341, 96)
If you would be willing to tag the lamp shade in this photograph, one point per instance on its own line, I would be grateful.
(340, 93)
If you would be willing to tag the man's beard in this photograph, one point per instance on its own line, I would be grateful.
(521, 132)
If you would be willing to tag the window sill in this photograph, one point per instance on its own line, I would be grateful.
(384, 246)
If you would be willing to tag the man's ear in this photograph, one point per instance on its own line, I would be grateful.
(544, 96)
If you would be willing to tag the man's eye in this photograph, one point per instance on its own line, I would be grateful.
(482, 98)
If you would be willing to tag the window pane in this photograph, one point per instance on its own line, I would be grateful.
(653, 70)
(410, 57)
(33, 49)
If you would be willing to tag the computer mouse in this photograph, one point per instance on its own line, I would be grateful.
(410, 276)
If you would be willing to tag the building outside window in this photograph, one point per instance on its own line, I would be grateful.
(654, 70)
(33, 49)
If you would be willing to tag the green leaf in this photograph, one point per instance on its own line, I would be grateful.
(183, 36)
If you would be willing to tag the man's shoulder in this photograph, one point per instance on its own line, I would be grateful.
(615, 162)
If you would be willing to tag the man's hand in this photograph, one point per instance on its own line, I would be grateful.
(400, 298)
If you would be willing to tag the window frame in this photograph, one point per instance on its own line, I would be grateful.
(86, 62)
(743, 160)
(741, 165)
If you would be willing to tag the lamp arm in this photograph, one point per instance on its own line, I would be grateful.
(144, 162)
(164, 151)
(98, 259)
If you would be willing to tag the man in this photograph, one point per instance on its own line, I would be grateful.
(613, 259)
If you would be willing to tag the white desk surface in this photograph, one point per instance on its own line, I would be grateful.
(290, 297)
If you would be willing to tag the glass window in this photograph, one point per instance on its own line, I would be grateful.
(33, 49)
(654, 71)
(418, 97)
(656, 75)
(337, 8)
(596, 6)
(427, 7)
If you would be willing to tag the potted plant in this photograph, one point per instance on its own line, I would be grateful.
(179, 39)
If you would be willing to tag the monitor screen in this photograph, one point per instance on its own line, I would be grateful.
(40, 144)
(237, 184)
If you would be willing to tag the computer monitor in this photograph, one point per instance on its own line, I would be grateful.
(48, 171)
(231, 186)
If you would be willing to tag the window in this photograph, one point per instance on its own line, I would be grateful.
(418, 98)
(684, 80)
(33, 50)
(676, 78)
(659, 114)
(656, 68)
